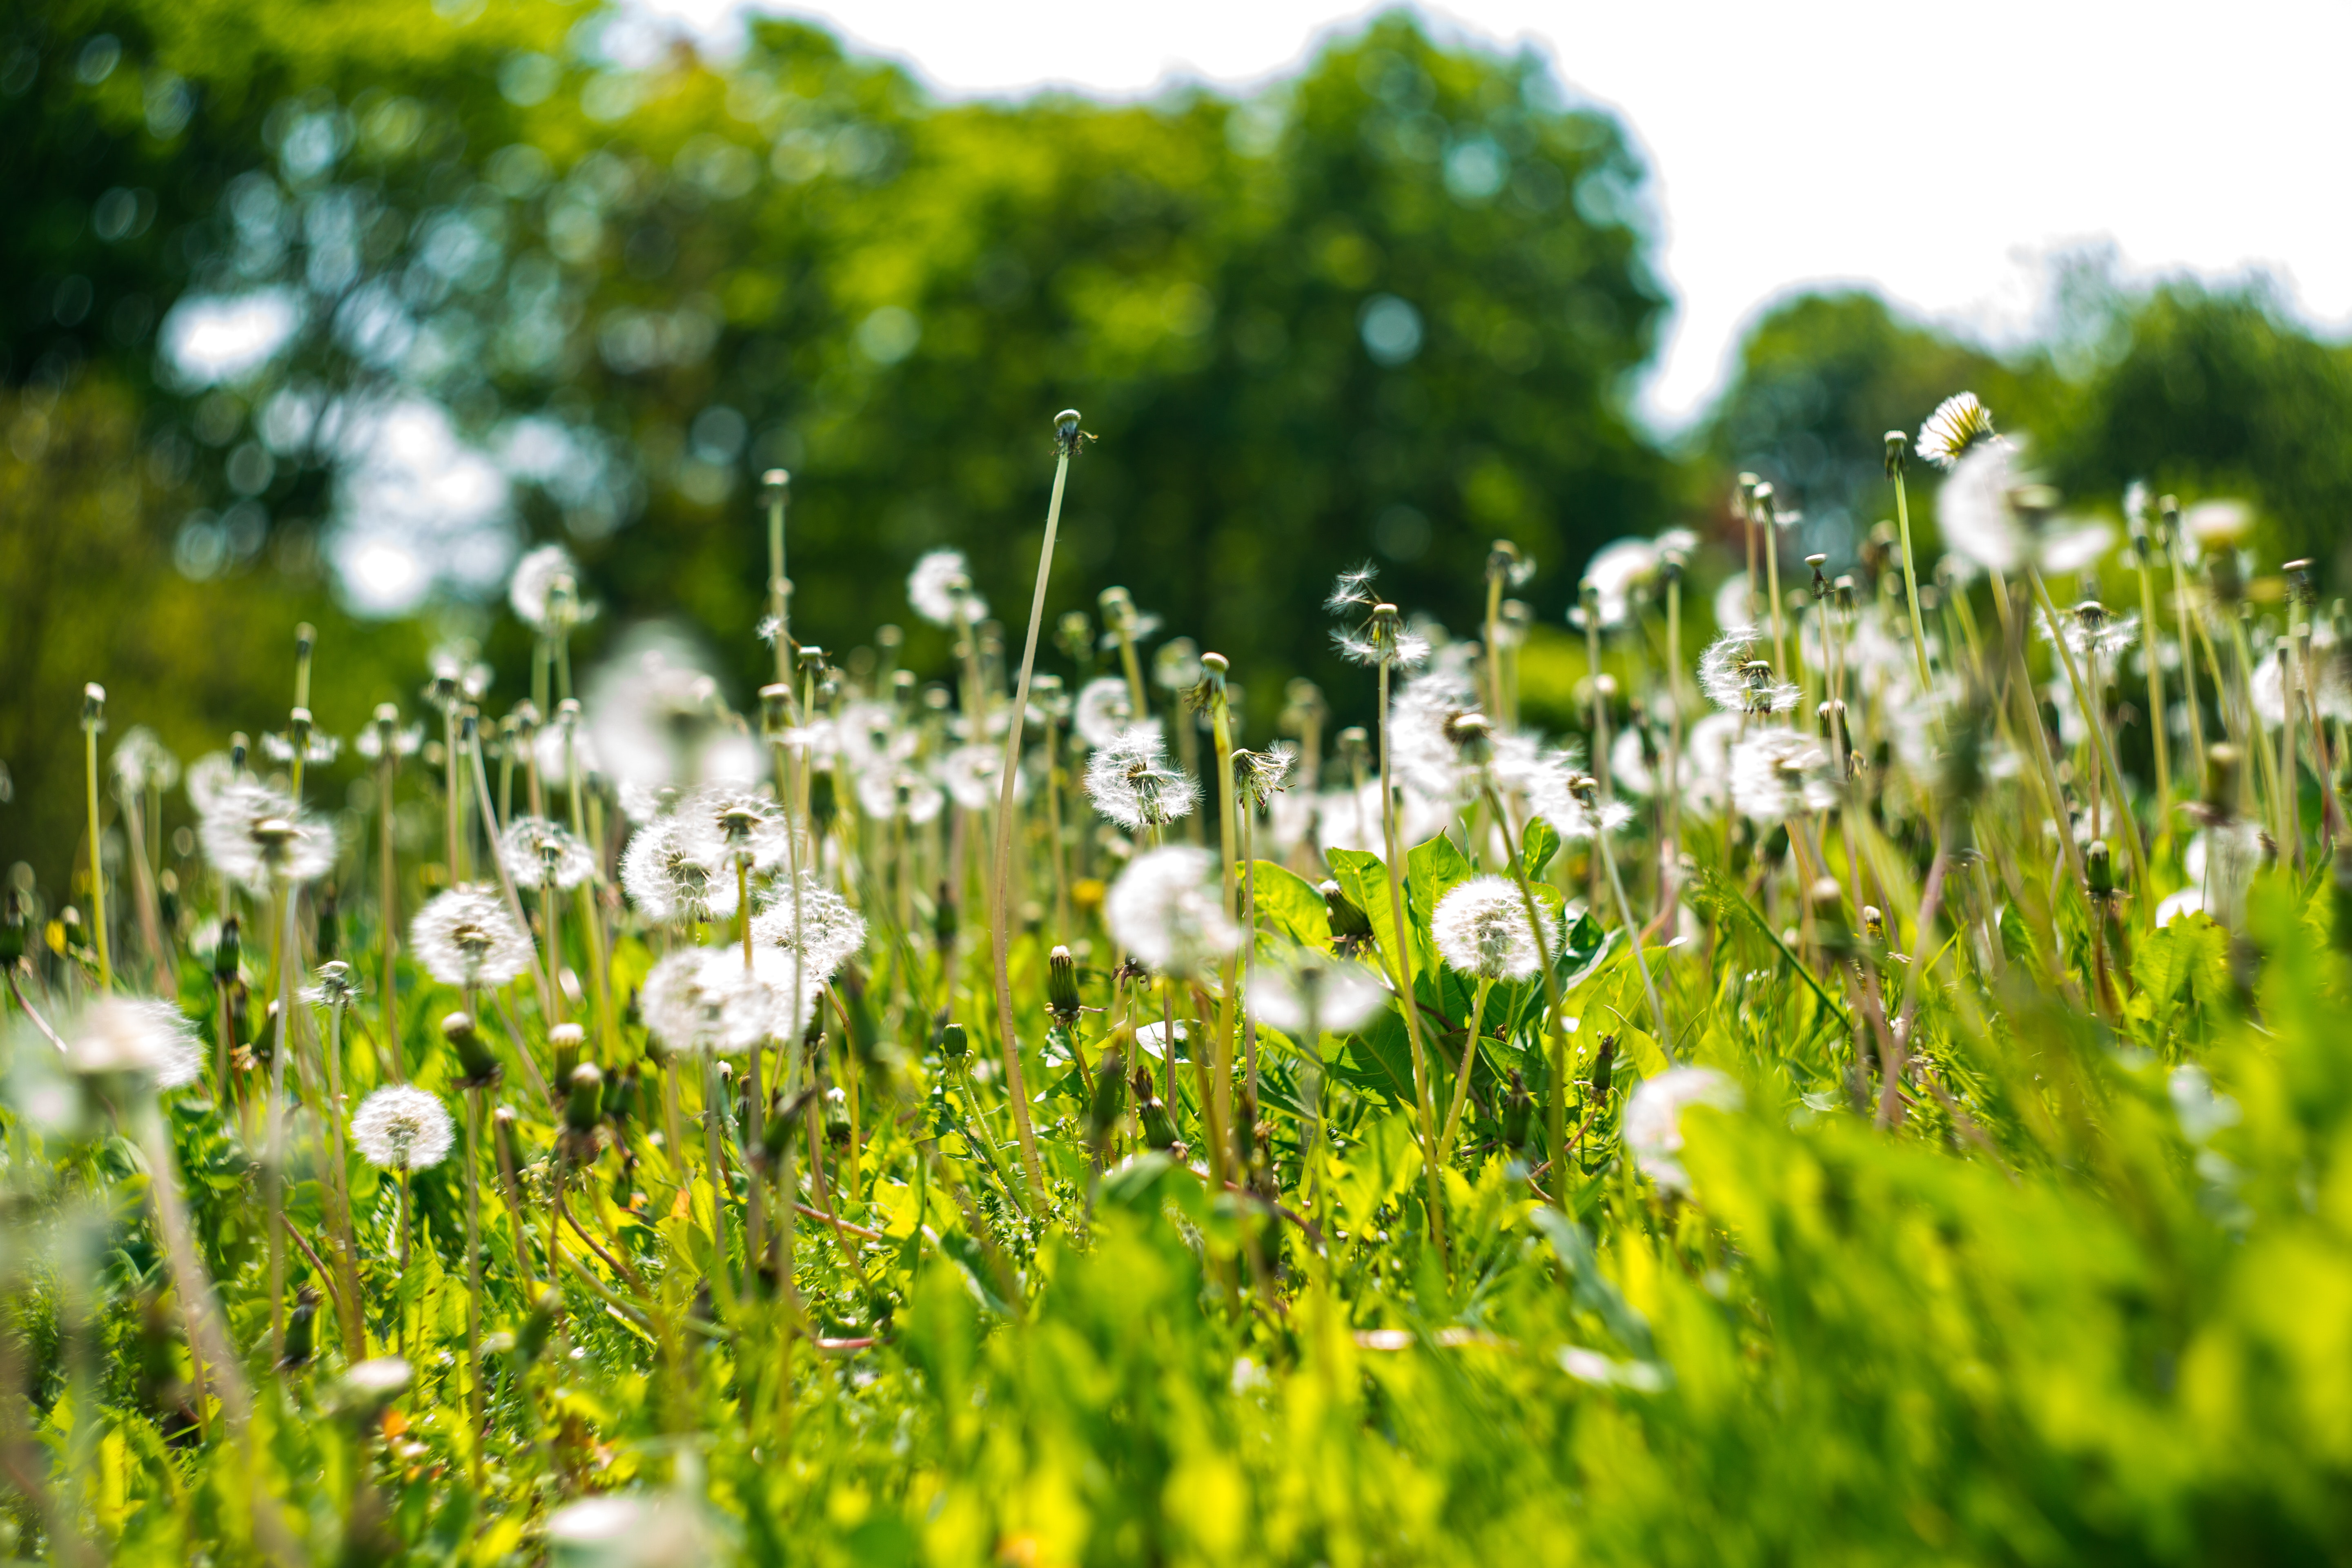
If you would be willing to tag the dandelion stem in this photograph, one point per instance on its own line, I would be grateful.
(1910, 571)
(90, 728)
(1402, 962)
(1000, 934)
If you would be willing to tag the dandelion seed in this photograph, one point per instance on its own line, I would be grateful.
(667, 877)
(254, 834)
(1167, 910)
(1959, 424)
(1779, 774)
(2218, 525)
(1130, 783)
(1653, 1116)
(1707, 762)
(2091, 630)
(399, 1127)
(317, 750)
(465, 937)
(723, 824)
(939, 589)
(1105, 708)
(537, 851)
(458, 678)
(1353, 590)
(1973, 509)
(1481, 928)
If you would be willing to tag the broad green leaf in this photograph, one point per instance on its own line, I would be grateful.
(1541, 844)
(1288, 904)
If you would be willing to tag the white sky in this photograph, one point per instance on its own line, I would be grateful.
(1940, 152)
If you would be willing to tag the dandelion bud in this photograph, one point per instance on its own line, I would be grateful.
(226, 953)
(1604, 1067)
(1502, 561)
(1066, 434)
(585, 1107)
(1897, 444)
(93, 708)
(1351, 927)
(824, 804)
(1103, 1105)
(1873, 925)
(566, 1040)
(503, 1122)
(775, 485)
(2098, 868)
(2168, 512)
(479, 1068)
(1117, 608)
(1062, 986)
(2222, 762)
(953, 1043)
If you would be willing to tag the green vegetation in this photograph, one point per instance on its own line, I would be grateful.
(1861, 1083)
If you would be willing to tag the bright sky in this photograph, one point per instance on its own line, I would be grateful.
(1942, 154)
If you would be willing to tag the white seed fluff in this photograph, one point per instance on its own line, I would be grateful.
(1482, 929)
(465, 937)
(1167, 910)
(145, 1035)
(401, 1128)
(1654, 1118)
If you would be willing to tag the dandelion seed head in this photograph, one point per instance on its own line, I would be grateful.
(1105, 707)
(883, 793)
(139, 1036)
(667, 877)
(1973, 509)
(1328, 996)
(465, 937)
(824, 930)
(1481, 928)
(1654, 1118)
(1130, 783)
(532, 591)
(1736, 681)
(706, 999)
(317, 750)
(537, 851)
(939, 589)
(1779, 774)
(1167, 910)
(402, 1127)
(973, 776)
(143, 763)
(1959, 424)
(335, 985)
(254, 834)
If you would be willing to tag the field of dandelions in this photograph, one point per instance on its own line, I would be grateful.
(1871, 1095)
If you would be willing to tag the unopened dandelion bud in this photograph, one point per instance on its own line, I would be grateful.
(1604, 1067)
(226, 951)
(954, 1043)
(585, 1105)
(1897, 445)
(2222, 762)
(93, 708)
(477, 1069)
(824, 804)
(565, 1041)
(1062, 986)
(2098, 868)
(1351, 927)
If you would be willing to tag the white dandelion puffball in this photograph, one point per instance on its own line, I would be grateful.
(145, 1037)
(1103, 709)
(939, 588)
(143, 763)
(704, 999)
(1167, 910)
(1482, 929)
(1130, 783)
(533, 587)
(399, 1127)
(1737, 681)
(667, 878)
(1330, 998)
(1653, 1116)
(821, 927)
(1780, 774)
(1959, 423)
(254, 834)
(974, 777)
(465, 937)
(537, 851)
(1973, 513)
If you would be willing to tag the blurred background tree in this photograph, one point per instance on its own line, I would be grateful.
(322, 310)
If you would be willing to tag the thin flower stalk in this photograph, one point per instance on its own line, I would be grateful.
(93, 720)
(2086, 701)
(1225, 1137)
(1067, 437)
(1896, 463)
